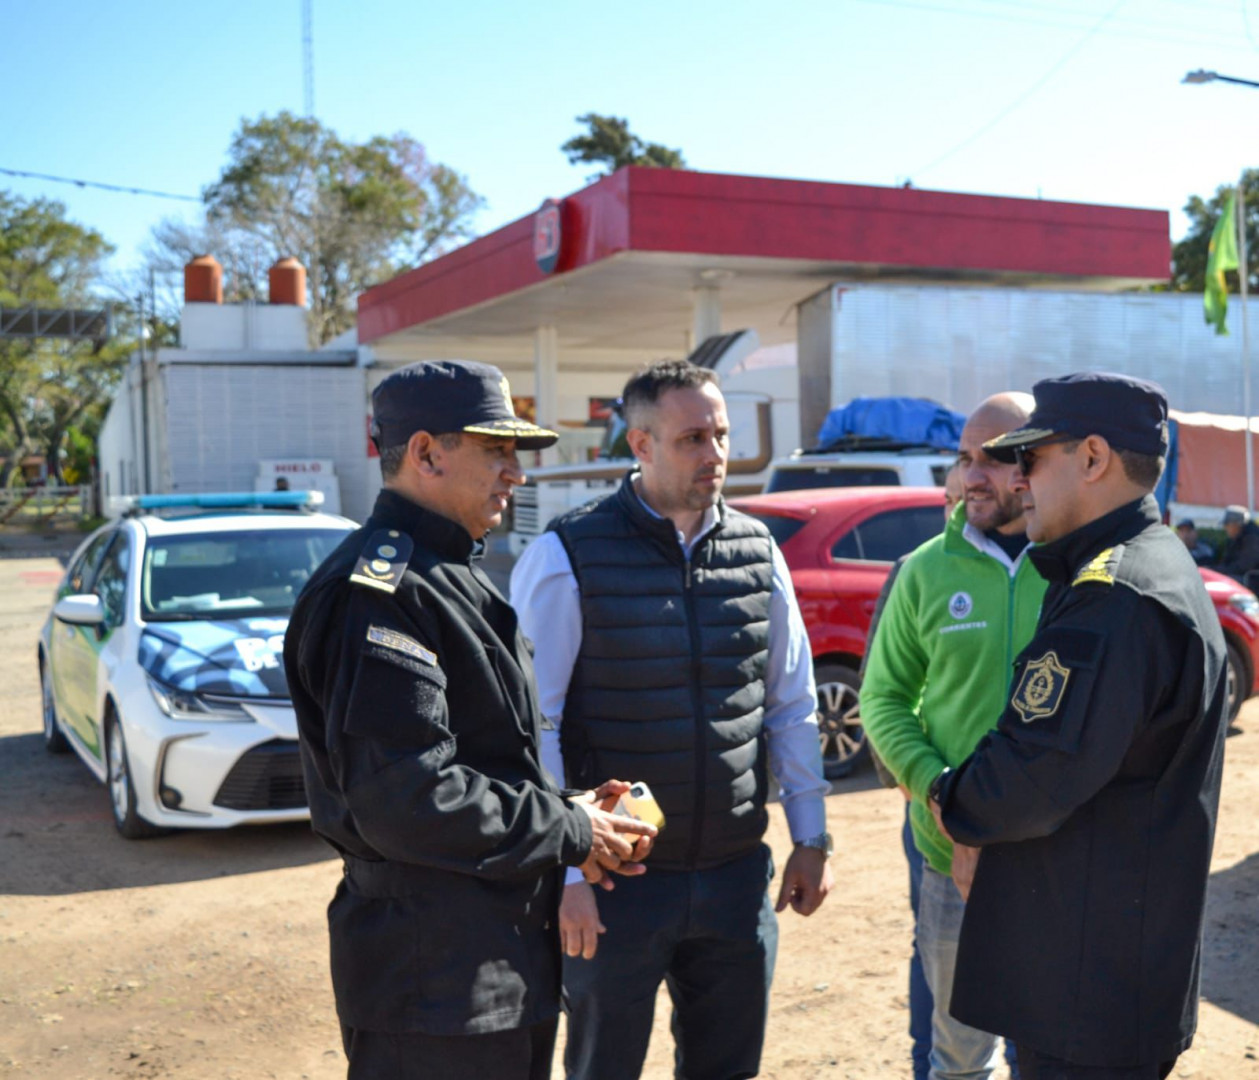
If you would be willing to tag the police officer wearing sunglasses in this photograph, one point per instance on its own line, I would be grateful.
(1093, 803)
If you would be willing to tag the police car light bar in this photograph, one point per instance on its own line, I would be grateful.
(232, 500)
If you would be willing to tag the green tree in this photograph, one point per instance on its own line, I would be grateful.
(609, 141)
(47, 386)
(354, 214)
(1189, 256)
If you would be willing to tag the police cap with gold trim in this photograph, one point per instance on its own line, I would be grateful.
(445, 396)
(1130, 414)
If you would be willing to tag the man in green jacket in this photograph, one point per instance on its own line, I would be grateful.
(964, 605)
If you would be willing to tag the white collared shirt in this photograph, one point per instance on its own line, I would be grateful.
(991, 548)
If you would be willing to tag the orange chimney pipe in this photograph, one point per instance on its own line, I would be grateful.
(203, 281)
(286, 281)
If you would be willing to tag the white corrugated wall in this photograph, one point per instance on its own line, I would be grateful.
(959, 345)
(222, 420)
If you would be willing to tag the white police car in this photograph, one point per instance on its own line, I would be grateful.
(161, 662)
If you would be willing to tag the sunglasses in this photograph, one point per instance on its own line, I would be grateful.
(1025, 456)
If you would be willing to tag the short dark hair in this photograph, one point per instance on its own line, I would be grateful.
(1142, 469)
(644, 389)
(391, 457)
(391, 460)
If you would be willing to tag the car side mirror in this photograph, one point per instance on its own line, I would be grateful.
(80, 610)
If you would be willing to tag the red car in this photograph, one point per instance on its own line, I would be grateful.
(840, 543)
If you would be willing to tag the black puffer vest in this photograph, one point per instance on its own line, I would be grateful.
(669, 685)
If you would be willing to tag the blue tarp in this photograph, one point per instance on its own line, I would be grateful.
(915, 421)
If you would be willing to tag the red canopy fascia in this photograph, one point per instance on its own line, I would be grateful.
(852, 227)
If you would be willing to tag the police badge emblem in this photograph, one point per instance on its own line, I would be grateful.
(1040, 690)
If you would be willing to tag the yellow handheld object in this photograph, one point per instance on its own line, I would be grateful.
(640, 804)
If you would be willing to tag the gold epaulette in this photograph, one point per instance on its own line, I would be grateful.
(1101, 569)
(384, 560)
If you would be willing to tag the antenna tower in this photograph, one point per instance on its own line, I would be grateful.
(308, 61)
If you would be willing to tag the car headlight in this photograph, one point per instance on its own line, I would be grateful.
(186, 705)
(1246, 603)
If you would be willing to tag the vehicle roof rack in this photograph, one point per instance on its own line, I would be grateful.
(134, 505)
(849, 443)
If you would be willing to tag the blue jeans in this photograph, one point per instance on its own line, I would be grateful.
(920, 1003)
(712, 937)
(958, 1051)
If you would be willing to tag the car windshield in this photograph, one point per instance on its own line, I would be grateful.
(780, 528)
(255, 572)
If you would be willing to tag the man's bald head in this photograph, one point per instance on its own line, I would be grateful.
(989, 501)
(1003, 412)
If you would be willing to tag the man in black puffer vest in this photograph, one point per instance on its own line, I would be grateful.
(669, 649)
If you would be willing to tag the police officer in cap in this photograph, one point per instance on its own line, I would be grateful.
(1093, 803)
(419, 728)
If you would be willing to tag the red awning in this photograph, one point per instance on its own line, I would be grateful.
(633, 247)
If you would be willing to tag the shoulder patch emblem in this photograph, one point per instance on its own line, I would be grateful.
(384, 560)
(408, 646)
(1101, 569)
(1040, 690)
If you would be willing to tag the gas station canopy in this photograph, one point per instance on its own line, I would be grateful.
(654, 259)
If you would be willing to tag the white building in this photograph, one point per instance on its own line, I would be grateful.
(242, 400)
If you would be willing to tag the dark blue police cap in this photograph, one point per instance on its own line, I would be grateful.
(1130, 414)
(445, 396)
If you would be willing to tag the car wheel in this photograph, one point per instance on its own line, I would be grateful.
(54, 741)
(122, 792)
(839, 725)
(1237, 689)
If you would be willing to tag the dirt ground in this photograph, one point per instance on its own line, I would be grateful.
(203, 955)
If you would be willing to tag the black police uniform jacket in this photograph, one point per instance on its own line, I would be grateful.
(418, 721)
(1094, 801)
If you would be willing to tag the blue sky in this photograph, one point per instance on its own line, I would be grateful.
(1067, 99)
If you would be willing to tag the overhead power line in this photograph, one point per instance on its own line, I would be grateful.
(119, 188)
(1029, 92)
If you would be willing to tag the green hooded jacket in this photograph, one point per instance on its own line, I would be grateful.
(938, 670)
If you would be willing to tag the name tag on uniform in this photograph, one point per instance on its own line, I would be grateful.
(391, 639)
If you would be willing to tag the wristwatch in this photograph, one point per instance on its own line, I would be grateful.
(822, 842)
(937, 785)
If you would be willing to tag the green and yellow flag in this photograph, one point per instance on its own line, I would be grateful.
(1221, 256)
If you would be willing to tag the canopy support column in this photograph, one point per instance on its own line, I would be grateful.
(546, 394)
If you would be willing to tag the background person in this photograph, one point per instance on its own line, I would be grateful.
(963, 605)
(419, 729)
(669, 646)
(1094, 800)
(1241, 551)
(1199, 549)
